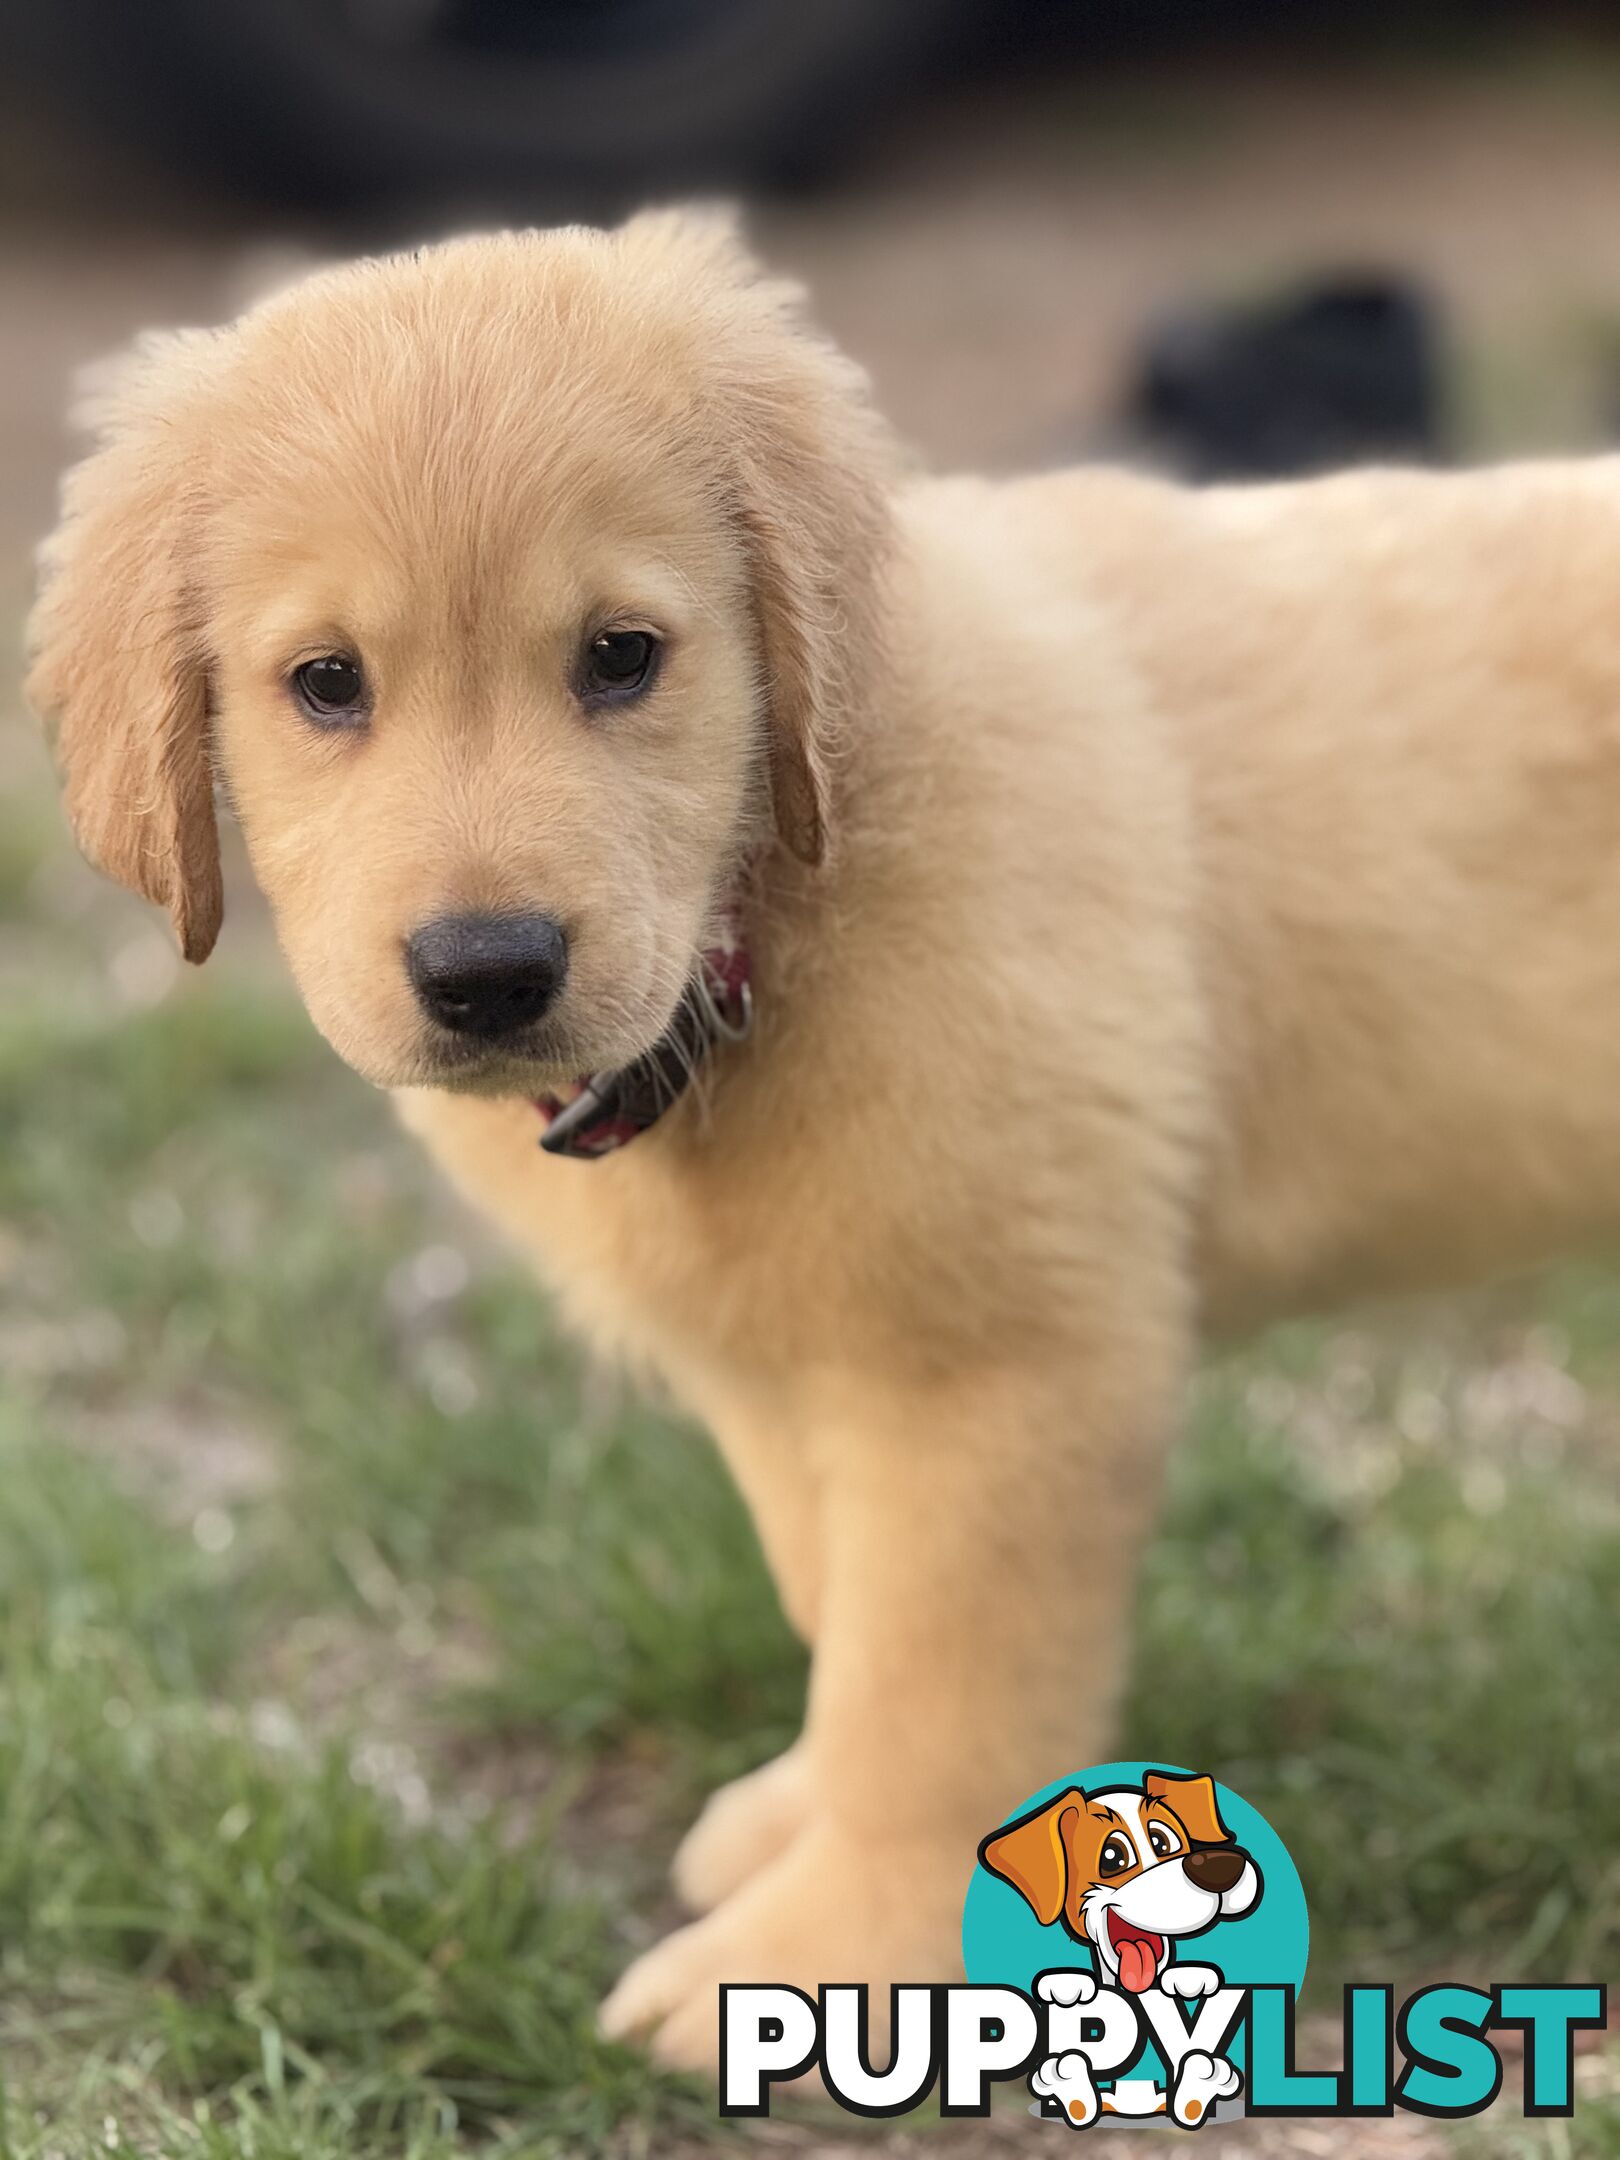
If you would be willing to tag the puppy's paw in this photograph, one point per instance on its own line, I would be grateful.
(830, 1908)
(1066, 2081)
(1189, 1981)
(1201, 2081)
(1065, 1987)
(744, 1826)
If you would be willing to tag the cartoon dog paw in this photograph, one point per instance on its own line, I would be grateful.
(1189, 1981)
(1066, 2081)
(1066, 1995)
(1202, 2080)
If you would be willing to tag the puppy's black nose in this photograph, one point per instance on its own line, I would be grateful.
(1215, 1868)
(487, 975)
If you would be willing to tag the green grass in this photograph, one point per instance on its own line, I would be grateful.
(361, 1654)
(1404, 1650)
(207, 1911)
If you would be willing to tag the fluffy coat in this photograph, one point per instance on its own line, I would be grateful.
(1169, 910)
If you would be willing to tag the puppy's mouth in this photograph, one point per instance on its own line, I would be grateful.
(510, 1070)
(549, 1058)
(1140, 1953)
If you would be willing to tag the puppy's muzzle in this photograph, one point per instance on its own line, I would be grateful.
(1215, 1868)
(487, 976)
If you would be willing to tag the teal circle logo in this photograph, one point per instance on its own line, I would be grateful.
(1145, 1875)
(1005, 1940)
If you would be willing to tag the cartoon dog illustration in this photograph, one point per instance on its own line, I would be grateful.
(1129, 1872)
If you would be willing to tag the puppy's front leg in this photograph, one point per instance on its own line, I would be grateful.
(748, 1822)
(981, 1538)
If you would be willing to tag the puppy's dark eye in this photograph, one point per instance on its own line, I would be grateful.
(332, 690)
(1117, 1855)
(617, 664)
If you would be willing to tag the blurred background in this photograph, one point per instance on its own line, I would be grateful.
(362, 1652)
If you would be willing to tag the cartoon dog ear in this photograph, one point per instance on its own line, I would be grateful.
(117, 670)
(1033, 1854)
(1193, 1799)
(812, 465)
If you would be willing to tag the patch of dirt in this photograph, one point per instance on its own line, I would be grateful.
(192, 1463)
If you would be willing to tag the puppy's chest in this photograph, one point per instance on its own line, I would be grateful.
(658, 1253)
(664, 1267)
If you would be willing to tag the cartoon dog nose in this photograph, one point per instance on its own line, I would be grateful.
(487, 975)
(1215, 1868)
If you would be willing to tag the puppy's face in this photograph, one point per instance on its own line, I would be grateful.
(514, 592)
(485, 689)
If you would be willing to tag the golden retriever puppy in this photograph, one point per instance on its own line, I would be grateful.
(1155, 911)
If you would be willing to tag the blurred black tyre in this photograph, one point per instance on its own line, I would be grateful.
(505, 105)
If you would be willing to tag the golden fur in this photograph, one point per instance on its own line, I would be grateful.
(1168, 910)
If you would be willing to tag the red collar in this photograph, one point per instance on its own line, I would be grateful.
(607, 1110)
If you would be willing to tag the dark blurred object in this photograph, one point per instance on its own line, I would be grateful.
(1344, 371)
(540, 106)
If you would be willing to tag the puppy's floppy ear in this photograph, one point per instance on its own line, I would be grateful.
(1194, 1802)
(117, 669)
(1033, 1854)
(811, 468)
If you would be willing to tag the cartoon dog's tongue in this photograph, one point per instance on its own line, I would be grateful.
(1139, 1954)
